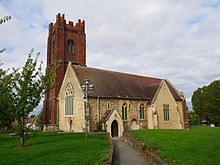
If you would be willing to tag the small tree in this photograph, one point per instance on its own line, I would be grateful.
(6, 99)
(30, 84)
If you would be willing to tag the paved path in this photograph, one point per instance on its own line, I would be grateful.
(124, 154)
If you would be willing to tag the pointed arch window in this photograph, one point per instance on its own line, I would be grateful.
(124, 112)
(142, 111)
(70, 46)
(69, 100)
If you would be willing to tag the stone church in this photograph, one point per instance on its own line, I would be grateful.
(116, 101)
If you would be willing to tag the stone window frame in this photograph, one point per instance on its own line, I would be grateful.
(69, 101)
(166, 112)
(124, 112)
(141, 110)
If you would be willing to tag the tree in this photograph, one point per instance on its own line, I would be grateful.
(6, 99)
(213, 104)
(30, 84)
(206, 102)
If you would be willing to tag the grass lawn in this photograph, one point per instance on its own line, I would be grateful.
(200, 145)
(54, 148)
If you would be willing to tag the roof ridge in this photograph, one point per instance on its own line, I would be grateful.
(118, 72)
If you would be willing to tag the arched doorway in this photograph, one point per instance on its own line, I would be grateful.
(114, 129)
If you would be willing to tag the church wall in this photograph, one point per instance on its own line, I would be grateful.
(181, 111)
(165, 97)
(98, 106)
(75, 122)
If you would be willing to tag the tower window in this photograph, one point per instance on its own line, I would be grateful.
(70, 47)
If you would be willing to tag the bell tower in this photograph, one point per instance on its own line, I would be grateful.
(66, 43)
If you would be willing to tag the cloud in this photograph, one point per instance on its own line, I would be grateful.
(177, 40)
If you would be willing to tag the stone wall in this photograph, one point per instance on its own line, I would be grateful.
(98, 106)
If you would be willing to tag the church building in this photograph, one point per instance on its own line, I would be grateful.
(114, 101)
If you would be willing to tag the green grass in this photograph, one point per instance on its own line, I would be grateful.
(54, 148)
(200, 145)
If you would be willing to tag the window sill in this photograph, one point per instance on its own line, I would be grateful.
(66, 116)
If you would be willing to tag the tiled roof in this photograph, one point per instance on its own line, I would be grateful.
(111, 84)
(106, 115)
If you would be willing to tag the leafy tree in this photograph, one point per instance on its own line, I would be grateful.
(213, 104)
(6, 99)
(206, 102)
(29, 87)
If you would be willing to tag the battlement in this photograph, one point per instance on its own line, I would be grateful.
(61, 22)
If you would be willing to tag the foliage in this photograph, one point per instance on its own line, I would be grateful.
(40, 120)
(200, 145)
(99, 127)
(206, 102)
(6, 99)
(54, 148)
(29, 86)
(4, 19)
(193, 118)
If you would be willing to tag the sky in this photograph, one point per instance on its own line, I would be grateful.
(169, 39)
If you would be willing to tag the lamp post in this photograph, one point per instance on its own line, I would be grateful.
(86, 87)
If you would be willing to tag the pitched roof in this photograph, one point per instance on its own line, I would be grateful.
(111, 84)
(106, 116)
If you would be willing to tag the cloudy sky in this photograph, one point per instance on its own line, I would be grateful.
(172, 39)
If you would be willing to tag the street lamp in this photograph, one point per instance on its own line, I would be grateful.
(86, 87)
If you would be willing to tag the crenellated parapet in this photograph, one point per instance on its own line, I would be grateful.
(61, 23)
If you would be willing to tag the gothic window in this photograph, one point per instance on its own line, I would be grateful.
(70, 46)
(124, 112)
(166, 112)
(142, 111)
(69, 100)
(108, 105)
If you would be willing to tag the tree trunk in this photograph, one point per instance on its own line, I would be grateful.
(22, 141)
